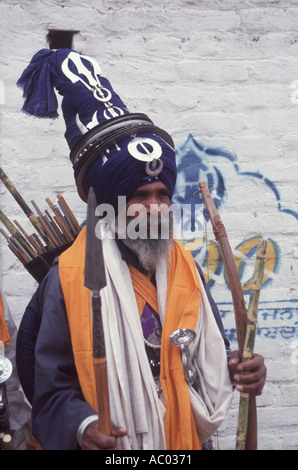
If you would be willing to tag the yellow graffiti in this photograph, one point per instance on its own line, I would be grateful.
(241, 261)
(211, 264)
(244, 255)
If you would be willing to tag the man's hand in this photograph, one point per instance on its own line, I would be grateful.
(95, 440)
(253, 380)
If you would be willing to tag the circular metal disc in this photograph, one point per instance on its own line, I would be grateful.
(5, 369)
(144, 149)
(182, 337)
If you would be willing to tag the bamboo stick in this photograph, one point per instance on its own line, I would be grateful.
(238, 299)
(24, 260)
(60, 221)
(52, 232)
(15, 249)
(67, 219)
(229, 263)
(43, 224)
(32, 251)
(64, 206)
(19, 247)
(37, 246)
(57, 221)
(252, 316)
(42, 248)
(13, 230)
(59, 235)
(26, 209)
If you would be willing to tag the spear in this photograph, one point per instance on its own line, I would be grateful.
(95, 280)
(252, 316)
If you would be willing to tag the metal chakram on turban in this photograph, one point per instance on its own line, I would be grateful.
(111, 149)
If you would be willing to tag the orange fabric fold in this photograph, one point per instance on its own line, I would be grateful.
(145, 291)
(78, 308)
(183, 302)
(4, 333)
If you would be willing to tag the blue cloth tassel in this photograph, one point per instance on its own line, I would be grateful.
(38, 89)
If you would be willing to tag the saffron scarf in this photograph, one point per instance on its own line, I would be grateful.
(183, 301)
(4, 333)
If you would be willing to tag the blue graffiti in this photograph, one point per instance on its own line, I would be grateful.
(279, 321)
(194, 165)
(197, 162)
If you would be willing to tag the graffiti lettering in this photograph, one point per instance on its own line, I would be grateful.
(208, 255)
(273, 323)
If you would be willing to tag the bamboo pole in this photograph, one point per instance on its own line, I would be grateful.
(229, 264)
(68, 213)
(51, 231)
(252, 317)
(60, 221)
(26, 209)
(32, 251)
(16, 234)
(238, 299)
(59, 235)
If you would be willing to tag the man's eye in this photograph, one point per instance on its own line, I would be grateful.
(164, 195)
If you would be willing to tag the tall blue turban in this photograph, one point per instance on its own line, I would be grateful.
(111, 149)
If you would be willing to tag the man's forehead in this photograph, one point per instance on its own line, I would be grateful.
(152, 186)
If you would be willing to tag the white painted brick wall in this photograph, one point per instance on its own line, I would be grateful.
(221, 71)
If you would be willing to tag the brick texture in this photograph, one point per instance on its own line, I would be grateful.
(220, 71)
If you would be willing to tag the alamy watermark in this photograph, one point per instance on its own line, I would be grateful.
(162, 221)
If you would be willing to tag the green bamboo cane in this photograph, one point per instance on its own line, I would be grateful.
(252, 316)
(15, 233)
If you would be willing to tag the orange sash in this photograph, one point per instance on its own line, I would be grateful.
(4, 333)
(183, 301)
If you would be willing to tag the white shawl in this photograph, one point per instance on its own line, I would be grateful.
(133, 398)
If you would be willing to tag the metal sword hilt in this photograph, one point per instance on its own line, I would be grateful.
(182, 338)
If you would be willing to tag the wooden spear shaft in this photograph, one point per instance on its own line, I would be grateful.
(252, 317)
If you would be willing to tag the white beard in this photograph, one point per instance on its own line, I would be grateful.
(150, 251)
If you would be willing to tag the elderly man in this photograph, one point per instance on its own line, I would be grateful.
(154, 287)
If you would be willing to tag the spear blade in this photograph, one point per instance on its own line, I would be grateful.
(95, 280)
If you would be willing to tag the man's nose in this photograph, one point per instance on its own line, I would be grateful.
(153, 206)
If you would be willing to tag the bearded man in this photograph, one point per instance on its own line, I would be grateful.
(154, 287)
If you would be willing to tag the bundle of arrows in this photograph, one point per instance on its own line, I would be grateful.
(52, 229)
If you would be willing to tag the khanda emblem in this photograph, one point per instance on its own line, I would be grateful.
(92, 83)
(149, 151)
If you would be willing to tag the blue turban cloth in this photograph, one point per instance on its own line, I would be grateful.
(89, 106)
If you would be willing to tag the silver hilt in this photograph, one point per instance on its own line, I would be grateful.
(182, 338)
